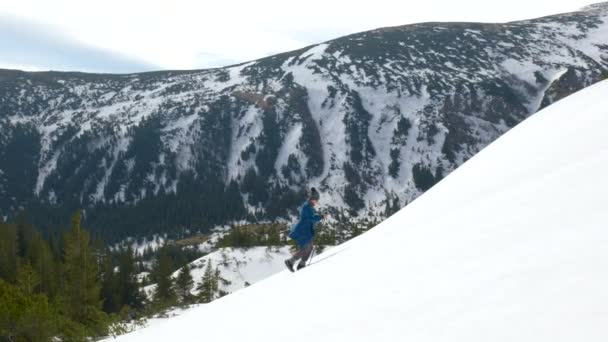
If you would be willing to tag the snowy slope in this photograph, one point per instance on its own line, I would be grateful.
(519, 252)
(238, 266)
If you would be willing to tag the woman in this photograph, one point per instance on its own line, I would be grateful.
(303, 232)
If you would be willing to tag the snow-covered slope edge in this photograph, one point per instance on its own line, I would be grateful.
(518, 253)
(237, 266)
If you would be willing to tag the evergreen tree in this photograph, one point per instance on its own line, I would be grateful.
(164, 283)
(140, 267)
(8, 252)
(208, 287)
(396, 205)
(215, 284)
(25, 234)
(184, 284)
(128, 287)
(27, 279)
(81, 296)
(25, 317)
(57, 253)
(109, 284)
(356, 230)
(273, 237)
(44, 263)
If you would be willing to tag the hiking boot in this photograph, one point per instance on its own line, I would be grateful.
(301, 266)
(289, 265)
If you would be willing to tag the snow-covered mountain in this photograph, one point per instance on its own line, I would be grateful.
(374, 115)
(512, 246)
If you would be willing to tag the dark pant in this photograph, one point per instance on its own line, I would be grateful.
(303, 254)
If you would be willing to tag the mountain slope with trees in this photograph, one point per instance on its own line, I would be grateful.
(372, 118)
(520, 256)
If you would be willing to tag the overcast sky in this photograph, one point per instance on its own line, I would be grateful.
(121, 36)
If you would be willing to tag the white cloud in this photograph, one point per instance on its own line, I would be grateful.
(29, 45)
(184, 34)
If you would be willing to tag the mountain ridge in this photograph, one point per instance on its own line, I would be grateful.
(371, 118)
(600, 6)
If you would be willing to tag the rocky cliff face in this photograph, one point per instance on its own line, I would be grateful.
(370, 116)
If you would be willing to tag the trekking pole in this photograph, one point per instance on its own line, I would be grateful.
(312, 253)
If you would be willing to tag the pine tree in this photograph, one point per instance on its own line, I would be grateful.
(128, 287)
(28, 280)
(215, 285)
(274, 238)
(396, 205)
(387, 204)
(8, 252)
(164, 283)
(109, 284)
(140, 267)
(208, 287)
(25, 233)
(356, 230)
(184, 284)
(25, 317)
(41, 258)
(81, 296)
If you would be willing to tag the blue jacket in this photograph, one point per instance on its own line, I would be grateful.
(303, 232)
